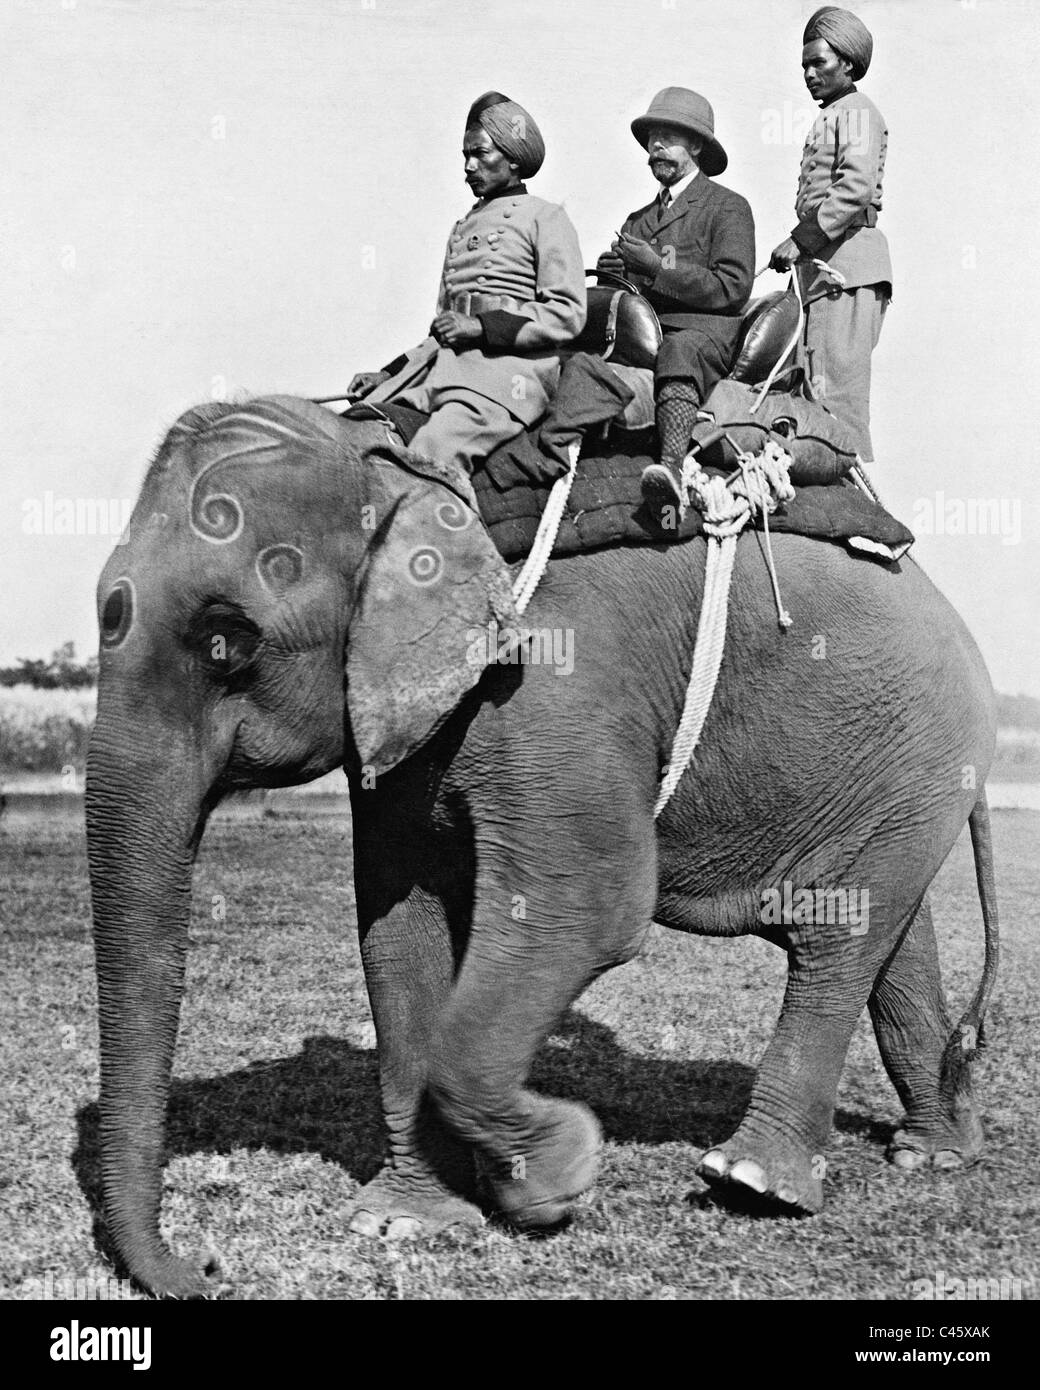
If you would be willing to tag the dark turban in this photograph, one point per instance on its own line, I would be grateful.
(848, 36)
(511, 129)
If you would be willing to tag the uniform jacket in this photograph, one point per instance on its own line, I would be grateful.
(707, 240)
(843, 164)
(521, 247)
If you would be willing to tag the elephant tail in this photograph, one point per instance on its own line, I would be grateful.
(969, 1034)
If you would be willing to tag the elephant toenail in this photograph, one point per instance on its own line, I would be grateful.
(787, 1196)
(748, 1174)
(947, 1158)
(907, 1159)
(713, 1164)
(365, 1223)
(404, 1228)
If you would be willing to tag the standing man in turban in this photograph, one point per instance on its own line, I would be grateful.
(838, 201)
(692, 252)
(512, 292)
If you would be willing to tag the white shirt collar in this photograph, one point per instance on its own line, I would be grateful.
(676, 190)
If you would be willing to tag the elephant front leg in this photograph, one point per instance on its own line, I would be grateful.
(427, 1180)
(913, 1027)
(538, 940)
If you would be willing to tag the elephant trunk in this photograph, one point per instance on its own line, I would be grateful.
(145, 815)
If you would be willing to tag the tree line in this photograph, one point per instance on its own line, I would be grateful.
(61, 672)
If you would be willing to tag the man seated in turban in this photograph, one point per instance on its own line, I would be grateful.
(512, 292)
(692, 252)
(837, 206)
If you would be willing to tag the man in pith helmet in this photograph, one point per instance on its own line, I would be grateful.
(692, 252)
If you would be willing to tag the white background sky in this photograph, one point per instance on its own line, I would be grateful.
(207, 198)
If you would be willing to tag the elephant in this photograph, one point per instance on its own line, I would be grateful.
(288, 600)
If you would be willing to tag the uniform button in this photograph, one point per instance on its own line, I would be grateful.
(507, 213)
(488, 265)
(481, 279)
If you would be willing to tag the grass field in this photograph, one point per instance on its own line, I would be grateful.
(275, 1116)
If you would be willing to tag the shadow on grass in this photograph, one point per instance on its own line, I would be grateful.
(325, 1100)
(653, 1099)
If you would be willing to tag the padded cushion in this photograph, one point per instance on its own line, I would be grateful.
(821, 447)
(605, 508)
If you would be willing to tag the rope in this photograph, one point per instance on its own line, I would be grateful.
(707, 659)
(727, 506)
(548, 527)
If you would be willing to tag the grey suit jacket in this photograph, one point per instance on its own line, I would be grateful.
(707, 240)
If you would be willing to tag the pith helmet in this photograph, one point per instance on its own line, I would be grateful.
(689, 111)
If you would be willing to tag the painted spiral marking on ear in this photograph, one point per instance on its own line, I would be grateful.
(117, 615)
(425, 565)
(279, 567)
(217, 518)
(453, 516)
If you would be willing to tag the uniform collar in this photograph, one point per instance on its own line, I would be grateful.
(848, 92)
(516, 189)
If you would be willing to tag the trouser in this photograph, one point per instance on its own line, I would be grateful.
(464, 427)
(700, 356)
(841, 331)
(690, 362)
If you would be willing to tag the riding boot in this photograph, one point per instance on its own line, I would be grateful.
(677, 407)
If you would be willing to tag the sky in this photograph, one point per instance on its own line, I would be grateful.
(211, 200)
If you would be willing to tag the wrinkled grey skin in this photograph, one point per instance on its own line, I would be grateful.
(504, 862)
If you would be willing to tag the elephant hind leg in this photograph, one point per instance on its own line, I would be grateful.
(913, 1028)
(776, 1155)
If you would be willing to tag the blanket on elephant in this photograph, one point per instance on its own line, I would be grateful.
(605, 506)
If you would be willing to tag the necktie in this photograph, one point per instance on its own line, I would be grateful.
(664, 203)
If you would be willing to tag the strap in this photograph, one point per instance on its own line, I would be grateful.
(610, 331)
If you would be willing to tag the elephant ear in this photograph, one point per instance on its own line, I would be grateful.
(430, 584)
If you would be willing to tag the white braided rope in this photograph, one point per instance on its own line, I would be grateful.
(530, 575)
(707, 660)
(727, 509)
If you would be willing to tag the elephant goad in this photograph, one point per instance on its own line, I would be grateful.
(276, 579)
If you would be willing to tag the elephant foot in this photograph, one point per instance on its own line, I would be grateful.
(774, 1173)
(954, 1143)
(535, 1187)
(397, 1206)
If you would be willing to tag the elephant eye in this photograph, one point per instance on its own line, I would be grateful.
(226, 641)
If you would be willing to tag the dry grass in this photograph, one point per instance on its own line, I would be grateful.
(275, 1117)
